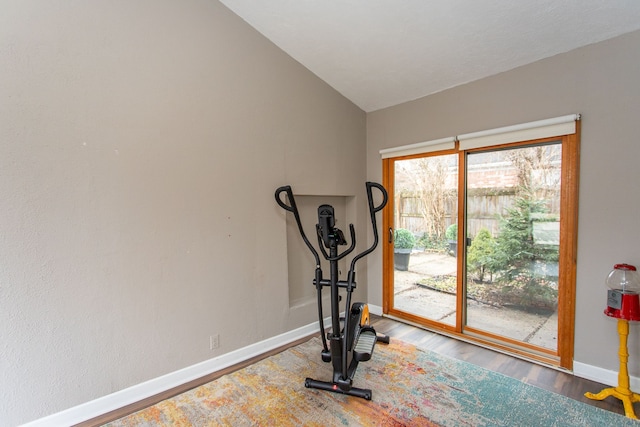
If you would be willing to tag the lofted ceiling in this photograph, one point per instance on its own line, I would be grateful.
(380, 53)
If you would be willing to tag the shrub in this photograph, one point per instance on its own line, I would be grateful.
(452, 232)
(480, 254)
(431, 242)
(403, 239)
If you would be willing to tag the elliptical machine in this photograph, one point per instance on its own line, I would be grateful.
(351, 339)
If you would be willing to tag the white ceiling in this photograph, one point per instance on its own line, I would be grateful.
(380, 53)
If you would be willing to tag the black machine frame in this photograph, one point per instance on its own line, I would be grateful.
(351, 339)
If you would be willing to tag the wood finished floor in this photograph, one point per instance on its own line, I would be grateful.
(541, 376)
(530, 373)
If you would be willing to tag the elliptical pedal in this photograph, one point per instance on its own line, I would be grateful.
(364, 347)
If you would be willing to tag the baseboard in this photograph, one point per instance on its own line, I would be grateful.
(601, 375)
(375, 309)
(136, 393)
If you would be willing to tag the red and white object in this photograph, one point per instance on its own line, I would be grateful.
(623, 296)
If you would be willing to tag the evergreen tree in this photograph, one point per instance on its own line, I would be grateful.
(514, 249)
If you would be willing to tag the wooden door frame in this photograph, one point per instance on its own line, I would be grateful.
(563, 356)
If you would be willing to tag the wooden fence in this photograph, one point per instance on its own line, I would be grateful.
(484, 207)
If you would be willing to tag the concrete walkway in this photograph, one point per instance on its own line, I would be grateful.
(533, 328)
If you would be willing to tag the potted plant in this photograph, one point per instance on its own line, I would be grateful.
(403, 242)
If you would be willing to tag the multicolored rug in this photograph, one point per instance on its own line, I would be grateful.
(411, 387)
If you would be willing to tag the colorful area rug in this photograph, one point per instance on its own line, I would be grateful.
(411, 387)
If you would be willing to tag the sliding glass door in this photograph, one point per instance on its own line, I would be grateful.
(482, 244)
(512, 200)
(425, 266)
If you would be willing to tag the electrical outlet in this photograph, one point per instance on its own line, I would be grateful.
(214, 341)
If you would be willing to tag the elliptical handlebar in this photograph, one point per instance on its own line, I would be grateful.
(318, 273)
(294, 209)
(372, 213)
(352, 269)
(385, 197)
(352, 232)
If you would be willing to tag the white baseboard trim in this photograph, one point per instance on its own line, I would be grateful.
(119, 399)
(601, 375)
(375, 309)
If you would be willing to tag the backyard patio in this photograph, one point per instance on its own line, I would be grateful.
(537, 327)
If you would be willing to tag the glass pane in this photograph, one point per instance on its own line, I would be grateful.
(426, 196)
(513, 226)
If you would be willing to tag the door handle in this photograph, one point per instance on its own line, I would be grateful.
(390, 235)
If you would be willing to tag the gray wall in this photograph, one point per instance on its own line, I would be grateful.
(140, 147)
(602, 83)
